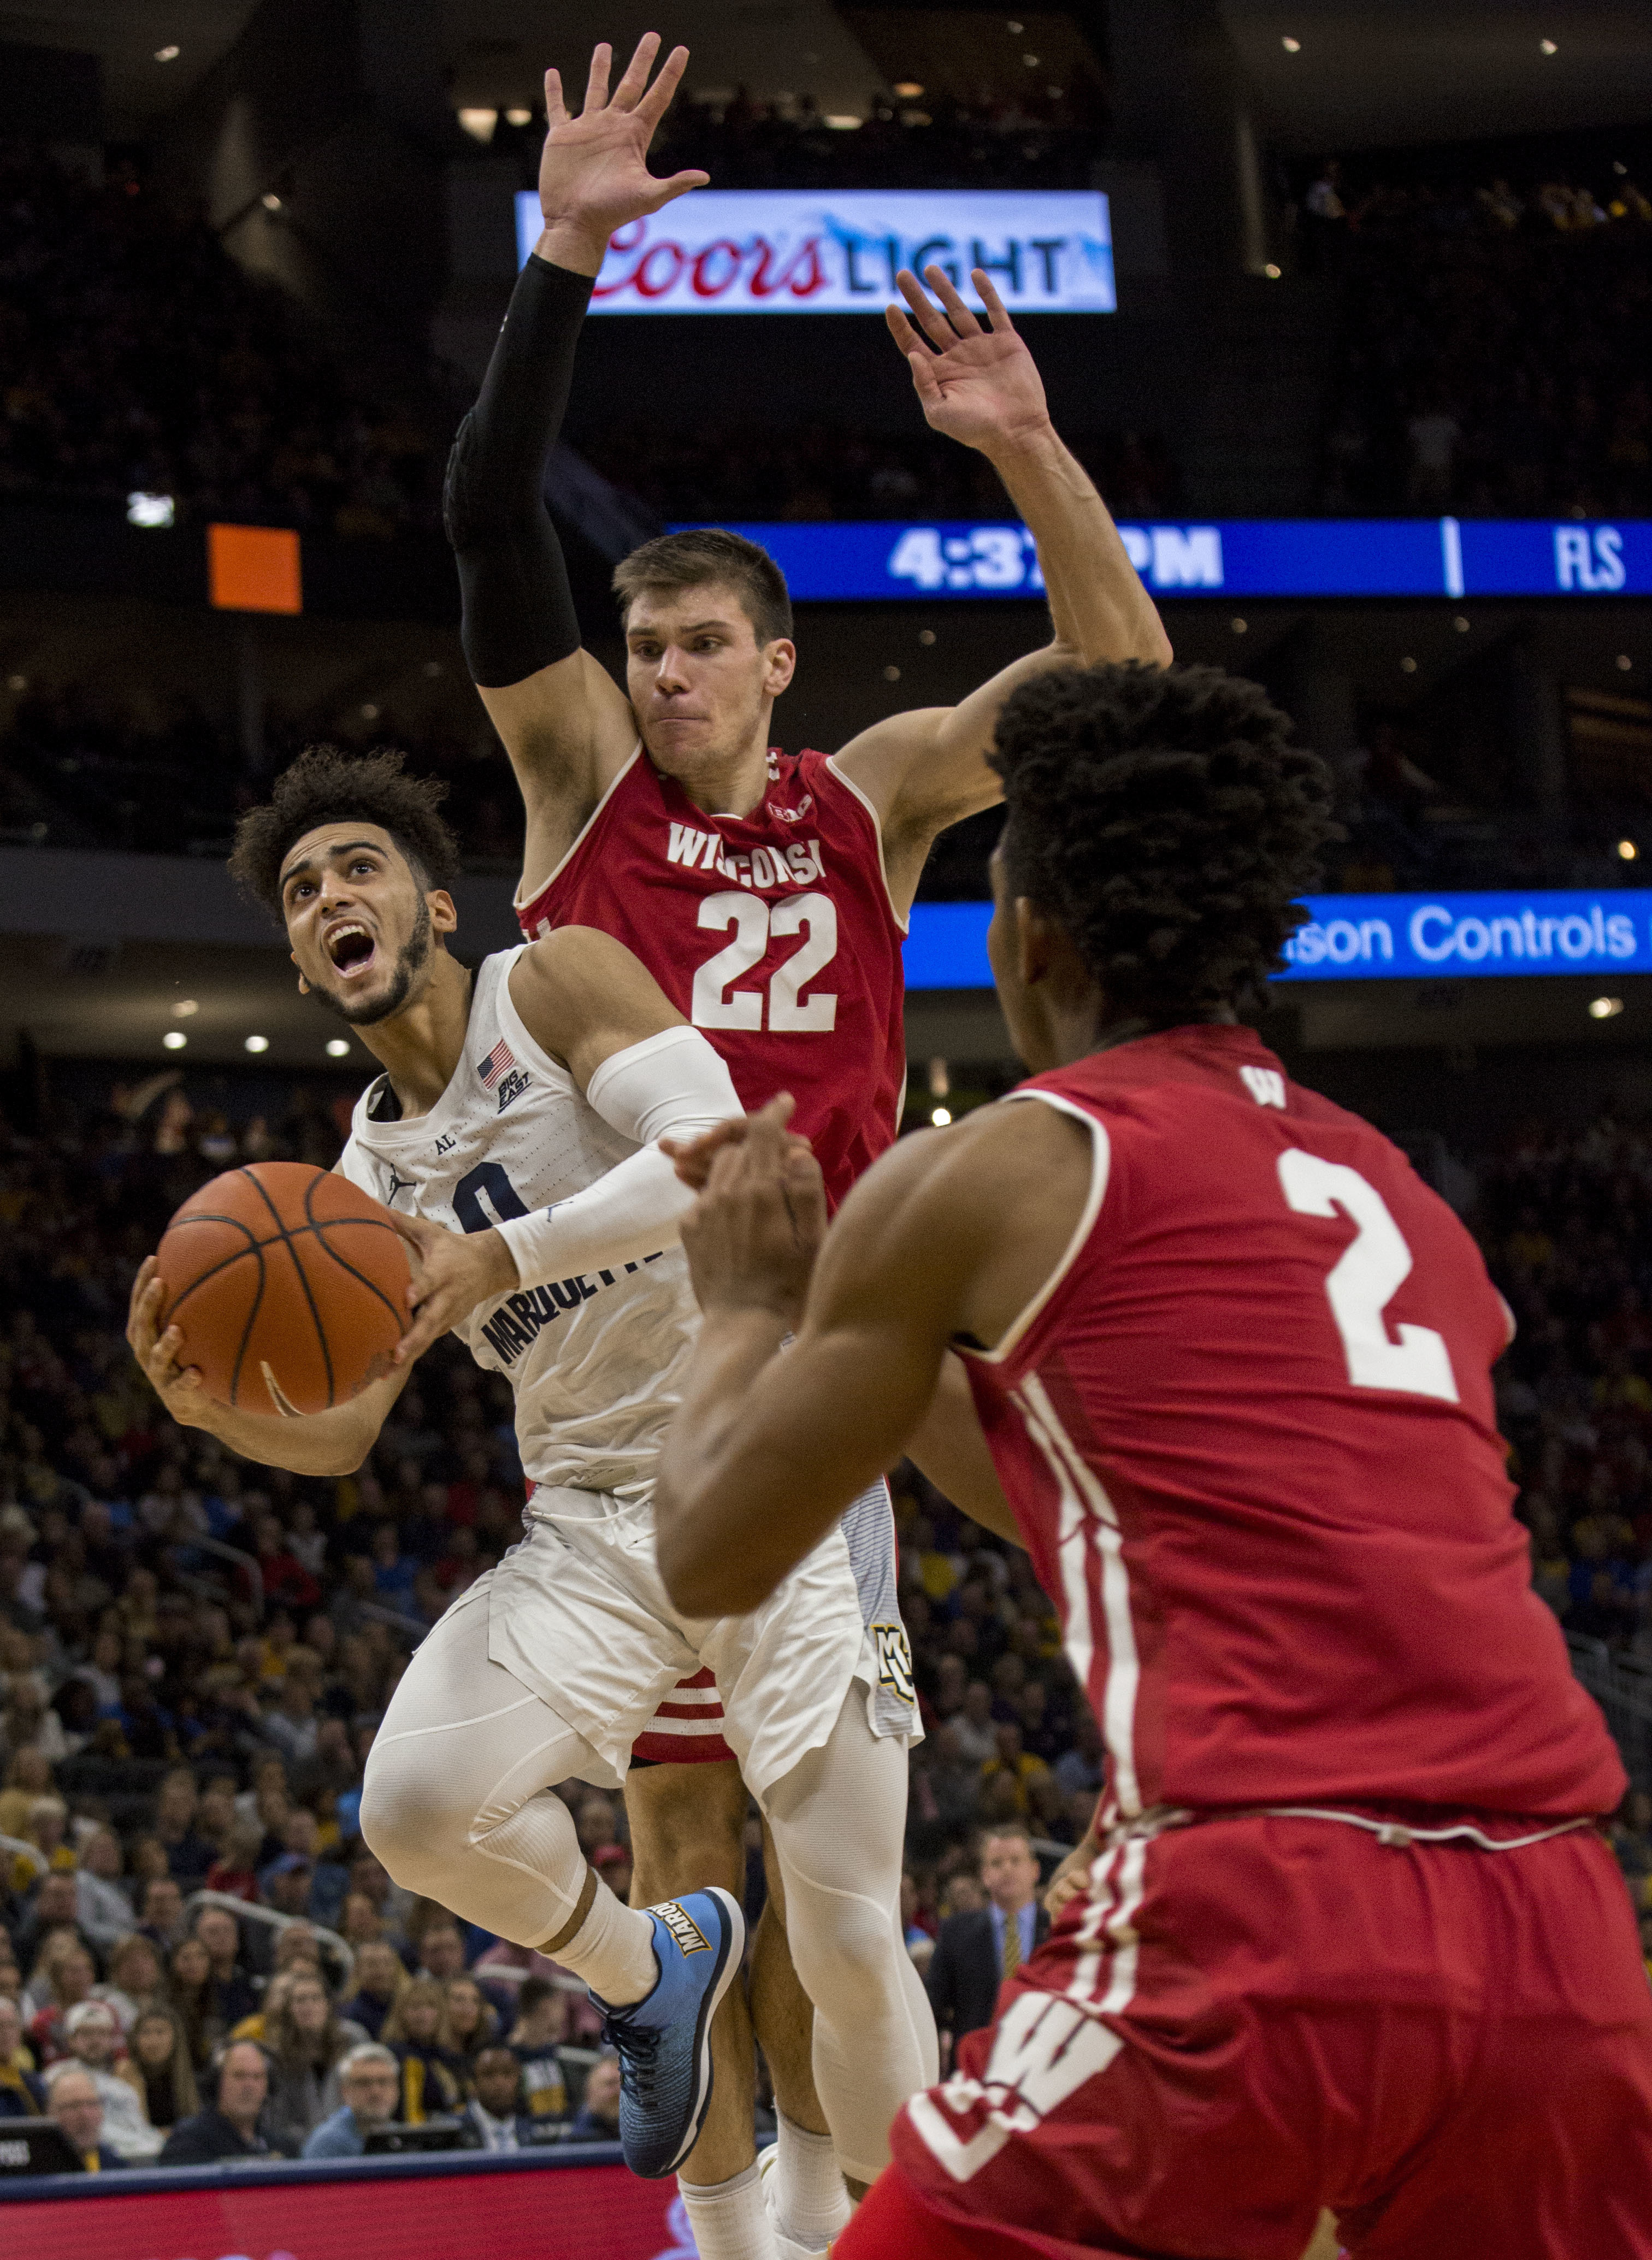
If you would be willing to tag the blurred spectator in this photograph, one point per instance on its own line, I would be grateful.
(597, 2118)
(473, 2023)
(975, 1953)
(91, 2033)
(305, 2040)
(535, 2039)
(497, 2109)
(370, 2083)
(231, 2125)
(417, 2028)
(381, 1979)
(158, 2058)
(77, 2108)
(102, 1908)
(231, 1997)
(22, 2090)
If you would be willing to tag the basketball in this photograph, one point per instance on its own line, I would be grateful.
(289, 1284)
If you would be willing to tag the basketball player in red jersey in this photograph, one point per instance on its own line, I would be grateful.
(768, 893)
(1350, 1935)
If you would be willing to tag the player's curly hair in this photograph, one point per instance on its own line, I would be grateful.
(326, 785)
(1159, 815)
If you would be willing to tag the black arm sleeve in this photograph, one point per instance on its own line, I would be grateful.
(517, 610)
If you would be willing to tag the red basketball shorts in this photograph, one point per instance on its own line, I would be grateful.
(1250, 2019)
(687, 1729)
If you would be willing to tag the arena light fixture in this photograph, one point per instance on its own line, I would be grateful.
(940, 1116)
(842, 121)
(1461, 624)
(152, 510)
(18, 682)
(270, 201)
(1547, 47)
(338, 1048)
(1272, 272)
(518, 117)
(1292, 47)
(479, 124)
(1623, 663)
(1239, 627)
(185, 1009)
(1605, 1008)
(1408, 665)
(168, 54)
(258, 1043)
(1627, 851)
(174, 1040)
(908, 89)
(369, 712)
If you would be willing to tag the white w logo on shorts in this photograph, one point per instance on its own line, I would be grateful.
(1044, 2051)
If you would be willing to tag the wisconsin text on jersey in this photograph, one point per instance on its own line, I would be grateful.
(796, 865)
(524, 1315)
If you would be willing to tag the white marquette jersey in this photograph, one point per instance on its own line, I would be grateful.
(594, 1361)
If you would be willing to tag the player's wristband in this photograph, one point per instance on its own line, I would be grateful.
(671, 1085)
(519, 609)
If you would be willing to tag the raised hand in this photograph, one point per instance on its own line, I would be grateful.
(979, 386)
(594, 174)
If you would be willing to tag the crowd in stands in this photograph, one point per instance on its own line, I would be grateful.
(829, 470)
(1493, 354)
(136, 356)
(1046, 136)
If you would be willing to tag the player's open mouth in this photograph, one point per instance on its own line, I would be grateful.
(352, 949)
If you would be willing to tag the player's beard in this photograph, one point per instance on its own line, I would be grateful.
(414, 957)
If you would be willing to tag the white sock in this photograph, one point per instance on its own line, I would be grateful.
(811, 2206)
(729, 2219)
(612, 1951)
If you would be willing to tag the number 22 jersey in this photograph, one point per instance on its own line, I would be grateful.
(774, 932)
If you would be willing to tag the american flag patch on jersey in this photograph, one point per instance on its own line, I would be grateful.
(494, 1066)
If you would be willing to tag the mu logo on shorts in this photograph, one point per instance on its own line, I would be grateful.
(894, 1660)
(690, 1937)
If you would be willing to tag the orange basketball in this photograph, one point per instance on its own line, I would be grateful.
(289, 1284)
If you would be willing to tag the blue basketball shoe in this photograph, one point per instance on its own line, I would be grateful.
(664, 2041)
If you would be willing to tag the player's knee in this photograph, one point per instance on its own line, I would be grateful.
(414, 1815)
(844, 1949)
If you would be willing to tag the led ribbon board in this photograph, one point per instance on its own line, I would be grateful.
(1375, 938)
(809, 251)
(854, 561)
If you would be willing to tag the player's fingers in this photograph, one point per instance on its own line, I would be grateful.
(900, 329)
(922, 366)
(947, 290)
(629, 92)
(666, 192)
(805, 1188)
(596, 81)
(657, 101)
(998, 312)
(929, 318)
(556, 107)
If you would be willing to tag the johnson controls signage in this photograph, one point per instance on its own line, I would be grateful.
(1375, 937)
(761, 251)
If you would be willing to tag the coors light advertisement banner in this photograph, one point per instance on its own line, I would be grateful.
(760, 251)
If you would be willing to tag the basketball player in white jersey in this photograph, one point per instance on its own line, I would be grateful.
(524, 1108)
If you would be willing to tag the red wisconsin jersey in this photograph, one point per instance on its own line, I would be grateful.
(773, 932)
(1249, 1434)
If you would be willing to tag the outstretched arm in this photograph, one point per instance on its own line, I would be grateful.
(926, 769)
(333, 1443)
(565, 725)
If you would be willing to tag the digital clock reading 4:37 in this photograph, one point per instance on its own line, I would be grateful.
(986, 557)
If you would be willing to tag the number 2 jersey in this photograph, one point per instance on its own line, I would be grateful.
(773, 932)
(1248, 1434)
(594, 1360)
